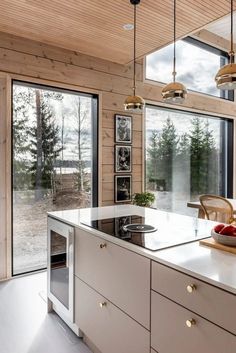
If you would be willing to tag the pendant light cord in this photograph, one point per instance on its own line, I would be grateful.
(134, 87)
(232, 34)
(174, 59)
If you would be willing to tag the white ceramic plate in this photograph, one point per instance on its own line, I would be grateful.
(223, 239)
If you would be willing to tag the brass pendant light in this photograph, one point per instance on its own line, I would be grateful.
(174, 92)
(134, 103)
(226, 76)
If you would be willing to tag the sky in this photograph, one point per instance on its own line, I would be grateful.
(65, 107)
(196, 67)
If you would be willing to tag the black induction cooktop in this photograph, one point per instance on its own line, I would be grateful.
(151, 233)
(129, 228)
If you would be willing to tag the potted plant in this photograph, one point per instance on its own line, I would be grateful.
(144, 199)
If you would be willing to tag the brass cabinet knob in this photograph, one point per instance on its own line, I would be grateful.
(191, 288)
(104, 245)
(190, 323)
(102, 304)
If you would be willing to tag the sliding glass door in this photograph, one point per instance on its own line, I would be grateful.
(54, 164)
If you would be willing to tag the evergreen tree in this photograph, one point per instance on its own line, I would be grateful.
(44, 146)
(191, 158)
(161, 152)
(181, 163)
(81, 120)
(152, 159)
(210, 161)
(203, 152)
(196, 143)
(22, 98)
(167, 152)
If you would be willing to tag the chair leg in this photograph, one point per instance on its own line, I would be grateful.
(201, 213)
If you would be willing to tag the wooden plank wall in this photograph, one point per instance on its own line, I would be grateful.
(2, 178)
(37, 62)
(5, 221)
(34, 61)
(28, 60)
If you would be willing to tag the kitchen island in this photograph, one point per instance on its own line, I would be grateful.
(128, 298)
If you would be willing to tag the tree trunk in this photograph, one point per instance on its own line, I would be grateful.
(81, 177)
(38, 174)
(62, 151)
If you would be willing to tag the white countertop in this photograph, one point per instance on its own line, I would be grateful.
(208, 264)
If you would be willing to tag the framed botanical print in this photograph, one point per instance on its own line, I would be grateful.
(123, 188)
(123, 159)
(123, 129)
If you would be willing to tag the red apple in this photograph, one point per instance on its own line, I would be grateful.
(219, 227)
(228, 230)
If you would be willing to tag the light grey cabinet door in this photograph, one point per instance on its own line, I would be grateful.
(119, 274)
(108, 328)
(206, 300)
(170, 332)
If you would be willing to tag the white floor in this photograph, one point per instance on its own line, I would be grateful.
(25, 326)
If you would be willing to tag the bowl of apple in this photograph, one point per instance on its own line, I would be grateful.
(224, 234)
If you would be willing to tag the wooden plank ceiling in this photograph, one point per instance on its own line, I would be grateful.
(95, 27)
(221, 27)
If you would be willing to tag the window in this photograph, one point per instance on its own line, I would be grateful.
(187, 155)
(197, 65)
(54, 164)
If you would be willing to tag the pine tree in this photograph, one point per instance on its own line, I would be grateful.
(167, 152)
(22, 98)
(81, 110)
(210, 161)
(152, 159)
(44, 146)
(161, 152)
(203, 153)
(196, 141)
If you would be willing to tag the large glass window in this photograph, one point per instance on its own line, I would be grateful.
(187, 155)
(54, 164)
(197, 65)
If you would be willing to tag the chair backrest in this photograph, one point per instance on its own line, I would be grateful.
(217, 208)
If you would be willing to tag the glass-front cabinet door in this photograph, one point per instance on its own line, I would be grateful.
(59, 284)
(61, 266)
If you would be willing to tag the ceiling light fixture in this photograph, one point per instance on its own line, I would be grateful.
(174, 92)
(226, 76)
(128, 26)
(134, 103)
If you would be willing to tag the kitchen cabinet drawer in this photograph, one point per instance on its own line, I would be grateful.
(110, 329)
(206, 300)
(119, 274)
(170, 333)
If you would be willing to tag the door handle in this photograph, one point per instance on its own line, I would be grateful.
(70, 248)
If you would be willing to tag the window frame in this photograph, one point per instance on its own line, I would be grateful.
(95, 147)
(224, 59)
(227, 145)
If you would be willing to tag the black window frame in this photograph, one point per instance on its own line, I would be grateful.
(95, 145)
(227, 144)
(224, 59)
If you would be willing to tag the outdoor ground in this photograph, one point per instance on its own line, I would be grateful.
(30, 222)
(30, 227)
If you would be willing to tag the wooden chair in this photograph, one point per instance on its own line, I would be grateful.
(217, 208)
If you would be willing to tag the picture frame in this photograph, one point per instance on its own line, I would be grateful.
(123, 129)
(123, 188)
(123, 158)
